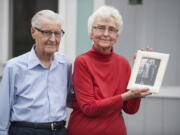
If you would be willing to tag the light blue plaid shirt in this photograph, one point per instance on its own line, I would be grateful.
(31, 92)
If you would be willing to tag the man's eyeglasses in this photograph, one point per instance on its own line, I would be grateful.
(47, 33)
(102, 29)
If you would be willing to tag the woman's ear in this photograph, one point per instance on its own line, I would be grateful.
(91, 35)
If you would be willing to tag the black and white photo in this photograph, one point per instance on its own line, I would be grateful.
(147, 71)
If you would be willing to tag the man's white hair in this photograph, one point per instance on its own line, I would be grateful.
(37, 18)
(105, 12)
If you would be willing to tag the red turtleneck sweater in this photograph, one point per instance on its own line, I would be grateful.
(99, 80)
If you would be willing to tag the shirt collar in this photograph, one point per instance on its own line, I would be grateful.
(33, 60)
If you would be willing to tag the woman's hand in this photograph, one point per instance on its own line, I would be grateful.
(136, 93)
(147, 49)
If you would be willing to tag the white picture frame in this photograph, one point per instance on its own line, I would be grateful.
(148, 71)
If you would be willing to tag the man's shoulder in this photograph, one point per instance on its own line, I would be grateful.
(62, 58)
(19, 60)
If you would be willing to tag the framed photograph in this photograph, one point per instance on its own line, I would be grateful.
(148, 71)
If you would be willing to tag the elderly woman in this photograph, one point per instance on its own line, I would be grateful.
(100, 79)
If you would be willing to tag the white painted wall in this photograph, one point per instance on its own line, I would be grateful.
(98, 3)
(157, 116)
(4, 24)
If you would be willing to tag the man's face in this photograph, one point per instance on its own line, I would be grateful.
(104, 33)
(47, 42)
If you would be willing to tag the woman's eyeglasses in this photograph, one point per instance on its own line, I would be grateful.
(103, 28)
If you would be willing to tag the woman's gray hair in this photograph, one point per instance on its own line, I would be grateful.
(106, 12)
(37, 18)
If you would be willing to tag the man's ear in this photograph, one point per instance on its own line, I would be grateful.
(33, 32)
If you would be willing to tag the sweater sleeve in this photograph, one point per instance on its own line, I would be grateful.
(131, 106)
(84, 93)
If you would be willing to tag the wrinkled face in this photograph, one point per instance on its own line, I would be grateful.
(104, 33)
(47, 36)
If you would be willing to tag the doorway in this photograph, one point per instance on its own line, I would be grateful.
(21, 14)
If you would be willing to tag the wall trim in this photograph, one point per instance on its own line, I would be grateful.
(167, 92)
(68, 10)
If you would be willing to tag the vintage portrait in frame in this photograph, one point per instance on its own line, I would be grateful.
(148, 71)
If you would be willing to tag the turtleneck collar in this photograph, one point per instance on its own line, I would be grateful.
(100, 55)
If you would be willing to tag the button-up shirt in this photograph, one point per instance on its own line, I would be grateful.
(31, 92)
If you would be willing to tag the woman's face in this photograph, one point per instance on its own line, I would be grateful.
(104, 34)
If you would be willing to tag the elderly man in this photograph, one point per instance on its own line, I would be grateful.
(35, 85)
